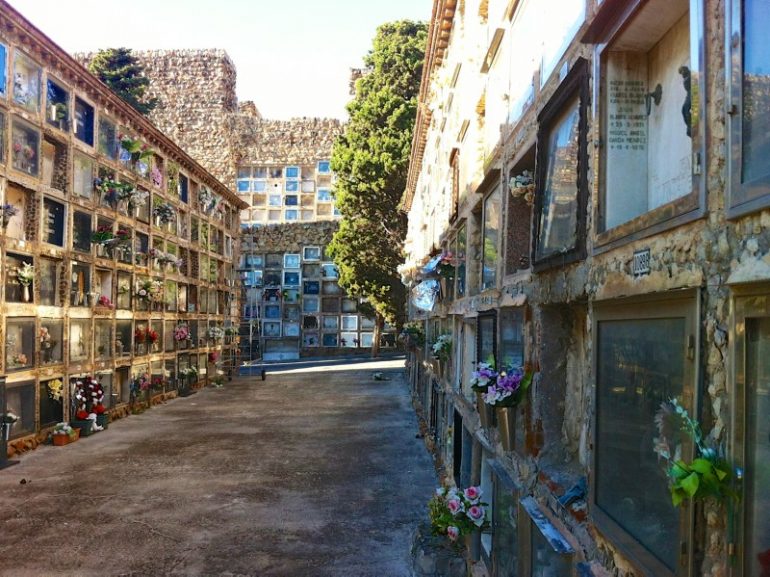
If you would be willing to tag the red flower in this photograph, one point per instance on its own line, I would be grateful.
(99, 409)
(82, 415)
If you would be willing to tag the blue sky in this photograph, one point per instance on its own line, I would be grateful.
(293, 56)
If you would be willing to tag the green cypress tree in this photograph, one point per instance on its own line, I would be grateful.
(371, 160)
(121, 71)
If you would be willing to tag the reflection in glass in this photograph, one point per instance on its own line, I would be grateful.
(757, 528)
(558, 216)
(545, 561)
(640, 365)
(491, 239)
(756, 90)
(486, 351)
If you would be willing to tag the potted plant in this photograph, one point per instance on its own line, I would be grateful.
(64, 434)
(482, 378)
(189, 375)
(441, 349)
(9, 211)
(89, 410)
(505, 394)
(708, 475)
(456, 513)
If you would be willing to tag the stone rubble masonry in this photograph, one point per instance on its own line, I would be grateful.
(198, 108)
(288, 237)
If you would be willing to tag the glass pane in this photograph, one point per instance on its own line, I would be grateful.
(545, 561)
(491, 239)
(756, 98)
(558, 216)
(511, 337)
(26, 82)
(504, 534)
(461, 240)
(640, 365)
(486, 350)
(757, 528)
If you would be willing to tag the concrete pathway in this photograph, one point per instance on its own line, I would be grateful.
(313, 472)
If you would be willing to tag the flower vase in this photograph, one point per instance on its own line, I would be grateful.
(481, 407)
(26, 293)
(506, 426)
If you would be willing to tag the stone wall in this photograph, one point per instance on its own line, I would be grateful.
(199, 109)
(282, 142)
(290, 237)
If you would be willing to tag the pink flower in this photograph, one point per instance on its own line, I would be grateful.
(453, 532)
(455, 506)
(476, 514)
(473, 494)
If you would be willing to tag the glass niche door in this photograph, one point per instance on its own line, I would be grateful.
(751, 435)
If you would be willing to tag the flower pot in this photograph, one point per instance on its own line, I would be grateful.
(506, 426)
(103, 420)
(84, 427)
(483, 410)
(61, 440)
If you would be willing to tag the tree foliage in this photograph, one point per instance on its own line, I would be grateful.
(371, 160)
(121, 71)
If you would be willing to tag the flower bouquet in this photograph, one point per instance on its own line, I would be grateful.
(708, 475)
(207, 200)
(213, 356)
(446, 266)
(25, 275)
(139, 385)
(181, 333)
(136, 150)
(523, 186)
(18, 360)
(89, 408)
(55, 389)
(104, 302)
(8, 212)
(163, 211)
(455, 513)
(215, 333)
(150, 290)
(412, 336)
(156, 176)
(102, 235)
(508, 388)
(442, 347)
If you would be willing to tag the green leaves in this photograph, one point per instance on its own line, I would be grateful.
(120, 70)
(371, 160)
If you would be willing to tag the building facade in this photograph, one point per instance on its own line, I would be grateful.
(115, 244)
(281, 169)
(595, 173)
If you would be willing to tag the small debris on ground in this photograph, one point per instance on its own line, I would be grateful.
(380, 376)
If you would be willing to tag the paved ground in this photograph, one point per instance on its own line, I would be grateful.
(314, 472)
